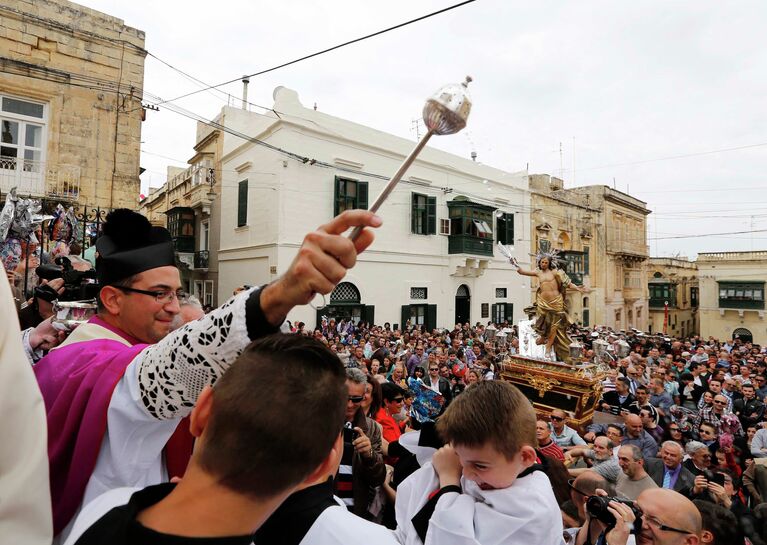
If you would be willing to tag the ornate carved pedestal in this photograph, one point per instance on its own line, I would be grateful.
(556, 385)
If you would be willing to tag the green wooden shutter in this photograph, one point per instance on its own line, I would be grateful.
(242, 203)
(431, 317)
(431, 216)
(494, 312)
(585, 260)
(336, 185)
(368, 314)
(414, 213)
(510, 312)
(510, 228)
(405, 316)
(362, 195)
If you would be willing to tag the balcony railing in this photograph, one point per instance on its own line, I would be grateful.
(660, 302)
(741, 304)
(201, 259)
(467, 244)
(39, 179)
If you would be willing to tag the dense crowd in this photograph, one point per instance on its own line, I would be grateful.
(167, 423)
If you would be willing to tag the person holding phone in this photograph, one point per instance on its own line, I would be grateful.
(362, 468)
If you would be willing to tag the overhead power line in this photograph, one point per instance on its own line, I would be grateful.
(712, 234)
(317, 53)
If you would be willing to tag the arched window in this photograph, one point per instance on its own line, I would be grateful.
(463, 291)
(345, 292)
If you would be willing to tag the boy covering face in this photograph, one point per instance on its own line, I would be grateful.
(484, 487)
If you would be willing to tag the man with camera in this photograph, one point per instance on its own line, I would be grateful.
(657, 517)
(362, 467)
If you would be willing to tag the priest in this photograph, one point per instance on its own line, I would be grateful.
(117, 389)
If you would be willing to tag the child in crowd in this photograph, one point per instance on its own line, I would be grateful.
(484, 487)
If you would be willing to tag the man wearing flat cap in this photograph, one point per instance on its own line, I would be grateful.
(116, 391)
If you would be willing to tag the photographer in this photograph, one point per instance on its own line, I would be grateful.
(608, 521)
(40, 306)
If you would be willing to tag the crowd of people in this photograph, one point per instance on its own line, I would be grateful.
(166, 423)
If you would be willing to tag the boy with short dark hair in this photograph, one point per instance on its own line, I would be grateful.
(252, 452)
(485, 486)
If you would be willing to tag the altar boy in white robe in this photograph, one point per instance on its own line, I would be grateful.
(484, 487)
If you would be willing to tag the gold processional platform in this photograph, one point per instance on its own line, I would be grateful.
(556, 385)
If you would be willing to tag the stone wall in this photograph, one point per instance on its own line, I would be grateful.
(88, 69)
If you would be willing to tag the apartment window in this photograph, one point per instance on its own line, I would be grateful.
(660, 293)
(418, 314)
(505, 229)
(500, 293)
(485, 309)
(586, 251)
(22, 143)
(242, 203)
(423, 215)
(694, 297)
(180, 224)
(544, 245)
(502, 312)
(204, 235)
(349, 195)
(741, 294)
(419, 293)
(574, 266)
(471, 228)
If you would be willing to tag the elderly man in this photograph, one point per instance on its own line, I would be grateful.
(699, 460)
(546, 446)
(636, 435)
(634, 479)
(668, 519)
(563, 435)
(668, 471)
(601, 457)
(117, 389)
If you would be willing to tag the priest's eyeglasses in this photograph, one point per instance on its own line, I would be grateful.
(161, 296)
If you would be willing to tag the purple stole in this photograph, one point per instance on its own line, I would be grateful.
(77, 381)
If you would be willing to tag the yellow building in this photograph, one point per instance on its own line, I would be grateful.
(732, 295)
(601, 234)
(187, 205)
(674, 282)
(70, 103)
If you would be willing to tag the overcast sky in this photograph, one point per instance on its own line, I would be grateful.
(622, 86)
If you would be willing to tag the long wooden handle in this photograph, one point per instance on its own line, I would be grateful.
(394, 181)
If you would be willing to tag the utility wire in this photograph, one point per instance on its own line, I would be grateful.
(329, 49)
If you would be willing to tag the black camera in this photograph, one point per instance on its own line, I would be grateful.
(78, 285)
(596, 506)
(350, 434)
(717, 478)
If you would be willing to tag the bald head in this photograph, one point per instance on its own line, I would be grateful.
(585, 485)
(672, 509)
(633, 425)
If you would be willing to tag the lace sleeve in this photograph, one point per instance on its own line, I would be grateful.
(173, 372)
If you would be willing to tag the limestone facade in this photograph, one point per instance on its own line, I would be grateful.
(732, 295)
(673, 281)
(70, 103)
(601, 233)
(188, 205)
(434, 261)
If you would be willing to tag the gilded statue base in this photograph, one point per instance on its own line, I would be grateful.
(556, 385)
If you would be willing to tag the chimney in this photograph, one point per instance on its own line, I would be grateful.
(473, 155)
(245, 82)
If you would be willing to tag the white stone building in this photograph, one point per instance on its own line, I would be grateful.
(433, 261)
